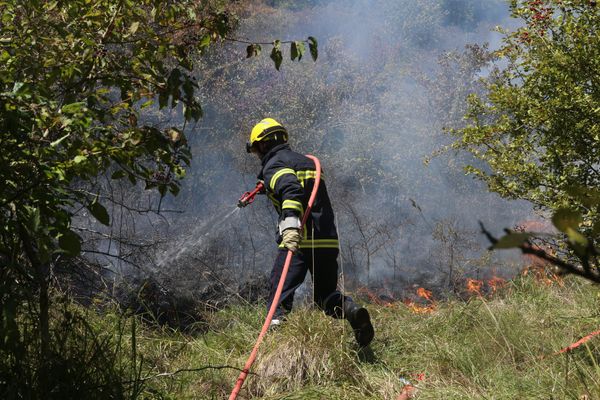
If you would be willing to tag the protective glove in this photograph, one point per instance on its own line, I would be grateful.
(291, 239)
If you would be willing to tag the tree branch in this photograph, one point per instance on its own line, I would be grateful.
(592, 274)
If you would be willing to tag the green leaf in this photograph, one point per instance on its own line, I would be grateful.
(174, 188)
(134, 27)
(163, 99)
(71, 116)
(192, 111)
(596, 228)
(575, 237)
(73, 107)
(147, 104)
(313, 47)
(132, 179)
(99, 212)
(297, 50)
(187, 63)
(512, 240)
(118, 174)
(20, 87)
(588, 196)
(253, 50)
(149, 185)
(70, 243)
(222, 23)
(276, 54)
(205, 41)
(565, 219)
(32, 217)
(59, 140)
(188, 89)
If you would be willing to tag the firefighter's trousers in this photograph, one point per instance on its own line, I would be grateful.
(324, 274)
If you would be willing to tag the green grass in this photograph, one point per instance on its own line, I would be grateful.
(498, 348)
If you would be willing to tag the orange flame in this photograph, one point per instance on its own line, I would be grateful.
(496, 283)
(542, 274)
(416, 308)
(425, 294)
(474, 286)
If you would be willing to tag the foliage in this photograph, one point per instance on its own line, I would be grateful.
(72, 93)
(537, 127)
(75, 76)
(91, 357)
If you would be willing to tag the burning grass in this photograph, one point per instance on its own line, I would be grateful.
(417, 308)
(501, 342)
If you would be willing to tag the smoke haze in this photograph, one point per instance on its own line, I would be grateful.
(389, 77)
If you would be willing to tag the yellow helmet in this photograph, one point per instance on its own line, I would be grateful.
(267, 129)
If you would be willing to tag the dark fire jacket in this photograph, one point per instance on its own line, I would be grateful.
(289, 178)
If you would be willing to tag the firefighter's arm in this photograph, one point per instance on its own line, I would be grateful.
(285, 186)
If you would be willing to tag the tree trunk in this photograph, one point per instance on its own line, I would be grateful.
(41, 277)
(44, 326)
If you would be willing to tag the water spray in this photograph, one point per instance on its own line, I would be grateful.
(218, 220)
(195, 238)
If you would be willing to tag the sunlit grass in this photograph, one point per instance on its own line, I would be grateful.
(502, 347)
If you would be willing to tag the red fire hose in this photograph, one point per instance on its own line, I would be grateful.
(265, 327)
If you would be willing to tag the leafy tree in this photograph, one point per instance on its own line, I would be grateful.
(77, 79)
(537, 128)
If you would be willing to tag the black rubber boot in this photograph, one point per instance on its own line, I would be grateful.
(361, 323)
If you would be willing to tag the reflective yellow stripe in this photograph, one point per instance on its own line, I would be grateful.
(323, 241)
(294, 205)
(282, 171)
(317, 244)
(320, 244)
(308, 174)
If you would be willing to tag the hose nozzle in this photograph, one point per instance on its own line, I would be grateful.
(248, 197)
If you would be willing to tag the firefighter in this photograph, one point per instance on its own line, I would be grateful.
(288, 178)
